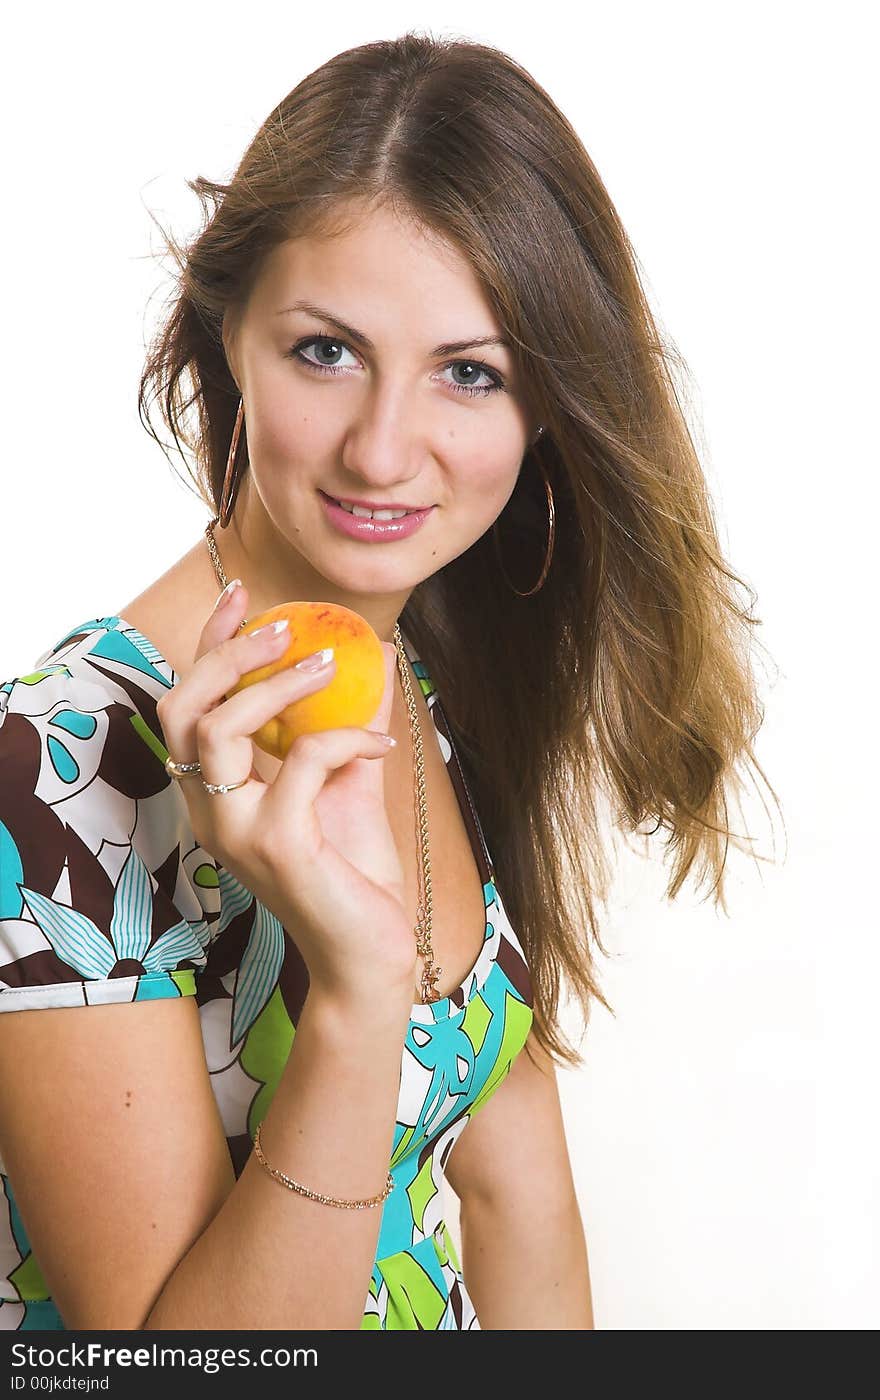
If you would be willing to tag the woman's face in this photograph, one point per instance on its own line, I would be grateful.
(398, 420)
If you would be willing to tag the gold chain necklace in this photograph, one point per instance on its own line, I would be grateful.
(430, 973)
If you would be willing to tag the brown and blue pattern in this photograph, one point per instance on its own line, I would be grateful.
(106, 896)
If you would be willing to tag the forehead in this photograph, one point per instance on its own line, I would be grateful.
(381, 272)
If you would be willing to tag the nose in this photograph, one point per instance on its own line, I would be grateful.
(383, 451)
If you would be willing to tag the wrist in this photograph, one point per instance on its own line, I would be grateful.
(369, 1010)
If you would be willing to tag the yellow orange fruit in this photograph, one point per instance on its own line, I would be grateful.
(353, 694)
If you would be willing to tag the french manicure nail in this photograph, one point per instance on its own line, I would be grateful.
(227, 594)
(281, 625)
(316, 661)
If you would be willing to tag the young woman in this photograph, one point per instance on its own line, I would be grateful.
(316, 986)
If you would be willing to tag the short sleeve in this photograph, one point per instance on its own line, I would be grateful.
(104, 894)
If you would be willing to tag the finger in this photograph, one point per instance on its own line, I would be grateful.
(213, 675)
(204, 690)
(223, 734)
(382, 718)
(286, 805)
(287, 794)
(310, 761)
(225, 618)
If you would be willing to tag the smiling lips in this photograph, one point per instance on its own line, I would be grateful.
(359, 522)
(384, 511)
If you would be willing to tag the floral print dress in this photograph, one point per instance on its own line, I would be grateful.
(106, 896)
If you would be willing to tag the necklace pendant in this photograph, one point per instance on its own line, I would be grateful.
(429, 990)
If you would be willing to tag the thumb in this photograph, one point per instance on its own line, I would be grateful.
(382, 717)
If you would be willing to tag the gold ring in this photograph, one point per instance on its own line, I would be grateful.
(182, 770)
(215, 788)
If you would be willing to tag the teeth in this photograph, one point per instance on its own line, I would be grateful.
(364, 514)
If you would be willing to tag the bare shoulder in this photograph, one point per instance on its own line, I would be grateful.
(171, 611)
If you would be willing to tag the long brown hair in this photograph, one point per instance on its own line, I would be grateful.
(627, 676)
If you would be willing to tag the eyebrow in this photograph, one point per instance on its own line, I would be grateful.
(449, 347)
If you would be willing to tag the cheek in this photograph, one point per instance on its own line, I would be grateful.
(496, 481)
(282, 436)
(477, 499)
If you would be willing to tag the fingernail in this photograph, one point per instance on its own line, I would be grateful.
(386, 739)
(316, 660)
(227, 594)
(280, 626)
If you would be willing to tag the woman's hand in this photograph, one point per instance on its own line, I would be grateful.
(313, 845)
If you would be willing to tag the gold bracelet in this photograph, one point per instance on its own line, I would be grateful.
(316, 1195)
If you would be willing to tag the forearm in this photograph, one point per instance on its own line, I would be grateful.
(272, 1258)
(526, 1270)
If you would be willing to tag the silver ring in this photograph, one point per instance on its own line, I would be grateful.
(182, 770)
(215, 788)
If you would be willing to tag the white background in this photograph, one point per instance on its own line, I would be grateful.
(723, 1129)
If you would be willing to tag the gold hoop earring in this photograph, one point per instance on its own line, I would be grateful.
(230, 481)
(551, 508)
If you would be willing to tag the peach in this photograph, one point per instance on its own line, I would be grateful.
(351, 697)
